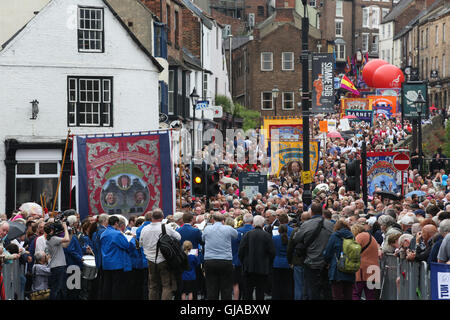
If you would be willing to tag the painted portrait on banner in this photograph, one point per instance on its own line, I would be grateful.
(125, 175)
(288, 156)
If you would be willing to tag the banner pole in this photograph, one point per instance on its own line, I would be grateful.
(60, 173)
(180, 163)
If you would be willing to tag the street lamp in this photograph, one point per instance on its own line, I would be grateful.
(275, 92)
(307, 194)
(194, 98)
(420, 101)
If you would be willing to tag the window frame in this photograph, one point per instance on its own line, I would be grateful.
(283, 60)
(170, 113)
(262, 61)
(262, 100)
(104, 106)
(362, 42)
(341, 2)
(284, 100)
(102, 31)
(341, 21)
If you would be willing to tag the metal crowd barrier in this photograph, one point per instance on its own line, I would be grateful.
(13, 281)
(404, 280)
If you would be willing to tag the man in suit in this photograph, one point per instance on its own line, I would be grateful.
(271, 221)
(256, 253)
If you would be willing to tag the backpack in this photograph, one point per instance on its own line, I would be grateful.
(173, 253)
(350, 258)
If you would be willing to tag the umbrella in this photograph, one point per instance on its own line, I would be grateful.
(16, 229)
(389, 195)
(416, 192)
(32, 208)
(334, 134)
(226, 180)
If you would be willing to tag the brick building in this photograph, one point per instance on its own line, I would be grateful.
(269, 58)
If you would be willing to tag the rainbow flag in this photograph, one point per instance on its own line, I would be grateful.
(348, 85)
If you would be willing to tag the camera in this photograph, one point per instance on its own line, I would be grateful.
(59, 218)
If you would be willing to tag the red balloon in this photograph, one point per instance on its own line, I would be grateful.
(369, 69)
(388, 76)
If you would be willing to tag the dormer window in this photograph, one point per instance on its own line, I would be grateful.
(90, 30)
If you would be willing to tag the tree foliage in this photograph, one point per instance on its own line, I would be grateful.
(251, 118)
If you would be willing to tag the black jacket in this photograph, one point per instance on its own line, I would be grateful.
(257, 251)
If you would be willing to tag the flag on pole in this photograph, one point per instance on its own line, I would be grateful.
(348, 85)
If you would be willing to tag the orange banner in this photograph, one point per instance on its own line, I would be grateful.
(323, 126)
(384, 105)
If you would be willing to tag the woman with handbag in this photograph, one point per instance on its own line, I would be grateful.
(41, 273)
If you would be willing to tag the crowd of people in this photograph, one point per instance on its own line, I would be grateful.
(270, 246)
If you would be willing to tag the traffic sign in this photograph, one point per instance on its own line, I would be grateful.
(401, 162)
(201, 105)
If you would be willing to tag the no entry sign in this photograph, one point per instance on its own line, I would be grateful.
(401, 162)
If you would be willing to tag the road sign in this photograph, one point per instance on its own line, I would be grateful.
(401, 162)
(201, 105)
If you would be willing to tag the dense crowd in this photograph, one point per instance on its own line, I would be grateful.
(271, 246)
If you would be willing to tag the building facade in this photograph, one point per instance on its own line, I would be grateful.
(271, 59)
(81, 70)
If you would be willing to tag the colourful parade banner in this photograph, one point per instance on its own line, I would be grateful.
(361, 115)
(384, 105)
(289, 129)
(381, 173)
(440, 281)
(285, 154)
(127, 175)
(355, 104)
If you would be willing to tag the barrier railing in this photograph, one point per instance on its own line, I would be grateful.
(13, 280)
(404, 280)
(400, 279)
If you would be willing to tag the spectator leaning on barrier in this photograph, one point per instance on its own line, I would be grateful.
(41, 271)
(444, 229)
(444, 250)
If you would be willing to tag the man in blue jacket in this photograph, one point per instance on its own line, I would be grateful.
(115, 260)
(97, 285)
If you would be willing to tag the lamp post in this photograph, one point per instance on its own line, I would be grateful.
(307, 195)
(275, 92)
(420, 101)
(194, 98)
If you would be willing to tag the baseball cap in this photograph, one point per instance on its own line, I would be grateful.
(420, 211)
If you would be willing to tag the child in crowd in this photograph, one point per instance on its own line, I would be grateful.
(189, 276)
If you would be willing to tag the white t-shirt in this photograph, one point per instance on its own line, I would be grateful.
(41, 244)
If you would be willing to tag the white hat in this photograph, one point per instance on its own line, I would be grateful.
(371, 221)
(407, 220)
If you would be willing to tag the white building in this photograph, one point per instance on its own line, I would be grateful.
(88, 73)
(15, 14)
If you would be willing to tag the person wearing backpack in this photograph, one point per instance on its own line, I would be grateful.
(343, 257)
(161, 281)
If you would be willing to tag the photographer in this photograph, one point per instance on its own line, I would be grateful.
(58, 260)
